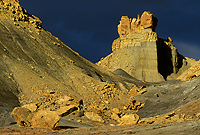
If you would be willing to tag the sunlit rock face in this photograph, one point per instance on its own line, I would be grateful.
(134, 25)
(141, 53)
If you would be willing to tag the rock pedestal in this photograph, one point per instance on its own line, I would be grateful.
(135, 53)
(141, 53)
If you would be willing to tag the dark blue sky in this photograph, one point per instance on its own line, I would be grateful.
(90, 26)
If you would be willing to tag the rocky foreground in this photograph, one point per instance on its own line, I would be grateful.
(144, 87)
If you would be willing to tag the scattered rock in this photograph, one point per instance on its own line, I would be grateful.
(189, 77)
(129, 119)
(45, 119)
(47, 112)
(163, 119)
(133, 104)
(108, 90)
(137, 91)
(198, 115)
(93, 116)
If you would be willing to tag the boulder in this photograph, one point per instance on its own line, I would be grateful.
(133, 91)
(94, 117)
(45, 119)
(64, 100)
(148, 20)
(129, 119)
(114, 116)
(22, 116)
(116, 111)
(66, 110)
(125, 26)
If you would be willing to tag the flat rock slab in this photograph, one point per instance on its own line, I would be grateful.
(167, 97)
(94, 117)
(63, 123)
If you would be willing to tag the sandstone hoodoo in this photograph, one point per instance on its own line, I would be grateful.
(142, 54)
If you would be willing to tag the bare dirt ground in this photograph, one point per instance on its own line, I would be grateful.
(167, 129)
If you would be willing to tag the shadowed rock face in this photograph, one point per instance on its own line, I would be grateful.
(169, 60)
(142, 54)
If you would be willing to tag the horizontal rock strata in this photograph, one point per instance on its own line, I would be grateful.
(142, 54)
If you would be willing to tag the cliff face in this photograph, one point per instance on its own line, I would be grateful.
(142, 54)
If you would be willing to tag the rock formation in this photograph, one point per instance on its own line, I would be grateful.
(142, 54)
(147, 20)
